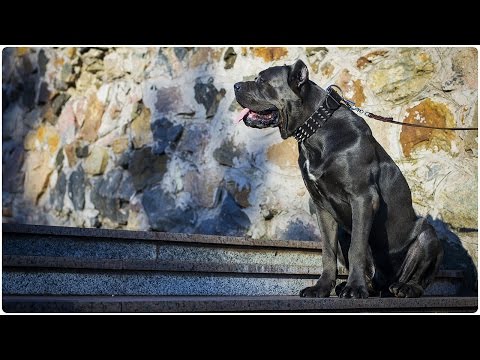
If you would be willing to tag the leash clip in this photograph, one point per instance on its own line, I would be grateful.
(331, 96)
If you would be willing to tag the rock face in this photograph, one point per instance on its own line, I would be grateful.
(144, 138)
(399, 79)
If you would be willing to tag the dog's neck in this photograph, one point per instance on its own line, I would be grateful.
(315, 96)
(319, 110)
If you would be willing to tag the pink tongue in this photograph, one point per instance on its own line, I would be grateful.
(242, 115)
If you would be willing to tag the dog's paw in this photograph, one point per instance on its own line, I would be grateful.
(409, 289)
(315, 291)
(355, 291)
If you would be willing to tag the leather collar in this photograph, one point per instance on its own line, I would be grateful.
(329, 105)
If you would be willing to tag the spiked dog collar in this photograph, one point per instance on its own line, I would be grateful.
(331, 103)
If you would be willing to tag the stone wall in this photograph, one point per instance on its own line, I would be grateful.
(144, 138)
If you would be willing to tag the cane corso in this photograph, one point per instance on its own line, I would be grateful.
(356, 188)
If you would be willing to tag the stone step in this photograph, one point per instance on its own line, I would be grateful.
(39, 260)
(51, 241)
(28, 275)
(180, 304)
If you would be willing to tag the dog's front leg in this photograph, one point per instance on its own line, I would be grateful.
(363, 212)
(329, 232)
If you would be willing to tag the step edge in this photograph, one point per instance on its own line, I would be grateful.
(23, 261)
(14, 228)
(258, 303)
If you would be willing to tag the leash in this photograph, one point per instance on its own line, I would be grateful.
(351, 105)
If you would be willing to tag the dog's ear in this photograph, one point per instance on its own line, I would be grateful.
(298, 74)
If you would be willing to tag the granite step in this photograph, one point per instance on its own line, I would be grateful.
(46, 260)
(84, 243)
(192, 304)
(29, 275)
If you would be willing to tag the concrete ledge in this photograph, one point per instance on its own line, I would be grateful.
(132, 304)
(89, 233)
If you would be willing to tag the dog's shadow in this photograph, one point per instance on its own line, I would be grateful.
(455, 255)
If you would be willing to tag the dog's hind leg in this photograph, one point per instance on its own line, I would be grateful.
(420, 265)
(329, 232)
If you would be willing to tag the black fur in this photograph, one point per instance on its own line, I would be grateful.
(354, 184)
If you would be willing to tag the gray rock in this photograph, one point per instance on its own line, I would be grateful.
(162, 213)
(58, 193)
(123, 160)
(162, 60)
(232, 216)
(230, 220)
(208, 95)
(168, 100)
(229, 57)
(58, 102)
(111, 193)
(5, 99)
(81, 151)
(26, 67)
(237, 183)
(67, 75)
(42, 62)
(59, 159)
(226, 153)
(29, 93)
(146, 168)
(7, 203)
(76, 188)
(106, 199)
(43, 93)
(12, 176)
(193, 141)
(110, 183)
(180, 52)
(125, 188)
(164, 134)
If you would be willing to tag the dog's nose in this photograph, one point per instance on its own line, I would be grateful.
(237, 86)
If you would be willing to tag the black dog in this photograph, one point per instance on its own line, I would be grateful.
(353, 183)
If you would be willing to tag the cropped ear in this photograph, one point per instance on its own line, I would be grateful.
(298, 74)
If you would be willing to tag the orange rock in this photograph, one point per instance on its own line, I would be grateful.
(70, 153)
(363, 61)
(22, 51)
(348, 85)
(71, 52)
(284, 154)
(48, 135)
(327, 69)
(140, 129)
(269, 54)
(38, 167)
(205, 55)
(93, 118)
(430, 113)
(314, 66)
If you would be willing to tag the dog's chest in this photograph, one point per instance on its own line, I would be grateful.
(324, 187)
(308, 162)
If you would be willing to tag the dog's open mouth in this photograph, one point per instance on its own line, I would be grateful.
(259, 119)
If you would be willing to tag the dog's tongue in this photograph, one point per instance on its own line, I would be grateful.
(242, 115)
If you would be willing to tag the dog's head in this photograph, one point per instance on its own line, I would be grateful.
(277, 97)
